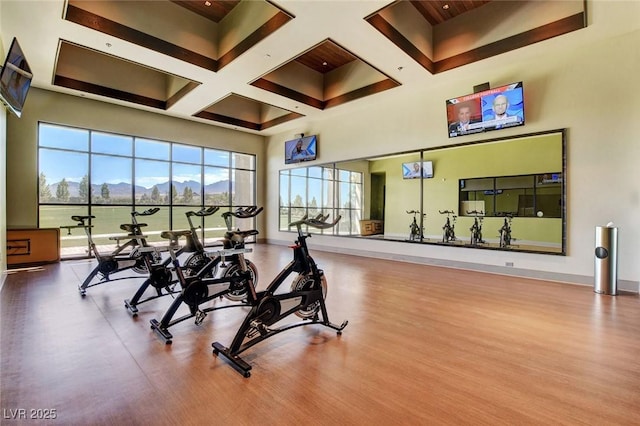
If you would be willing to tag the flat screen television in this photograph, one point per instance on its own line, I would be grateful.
(15, 79)
(301, 149)
(491, 109)
(415, 170)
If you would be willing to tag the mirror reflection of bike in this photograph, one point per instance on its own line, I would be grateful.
(416, 232)
(476, 228)
(505, 232)
(448, 230)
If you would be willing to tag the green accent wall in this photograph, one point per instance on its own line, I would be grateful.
(522, 156)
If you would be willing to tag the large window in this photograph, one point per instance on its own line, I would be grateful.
(86, 172)
(321, 190)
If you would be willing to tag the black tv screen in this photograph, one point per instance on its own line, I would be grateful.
(15, 79)
(300, 149)
(491, 109)
(415, 170)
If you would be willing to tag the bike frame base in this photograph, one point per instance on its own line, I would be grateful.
(242, 366)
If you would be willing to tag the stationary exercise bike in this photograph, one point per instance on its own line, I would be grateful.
(476, 228)
(505, 232)
(238, 275)
(305, 299)
(416, 232)
(449, 233)
(134, 254)
(160, 276)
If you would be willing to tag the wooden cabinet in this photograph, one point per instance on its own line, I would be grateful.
(33, 246)
(371, 227)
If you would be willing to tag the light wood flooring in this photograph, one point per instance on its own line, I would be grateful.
(424, 346)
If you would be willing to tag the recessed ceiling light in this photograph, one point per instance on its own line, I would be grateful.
(325, 63)
(207, 3)
(445, 6)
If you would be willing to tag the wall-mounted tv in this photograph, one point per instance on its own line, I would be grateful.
(490, 109)
(415, 169)
(15, 79)
(301, 149)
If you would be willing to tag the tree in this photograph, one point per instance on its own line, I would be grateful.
(174, 193)
(83, 189)
(62, 192)
(144, 199)
(45, 191)
(187, 194)
(104, 191)
(155, 194)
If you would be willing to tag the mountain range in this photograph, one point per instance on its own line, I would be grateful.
(123, 189)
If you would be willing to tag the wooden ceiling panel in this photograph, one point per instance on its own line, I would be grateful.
(214, 10)
(439, 11)
(325, 57)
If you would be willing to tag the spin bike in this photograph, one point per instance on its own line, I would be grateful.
(197, 289)
(305, 299)
(160, 276)
(416, 232)
(505, 231)
(476, 228)
(449, 233)
(135, 254)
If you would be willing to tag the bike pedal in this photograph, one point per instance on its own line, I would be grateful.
(200, 316)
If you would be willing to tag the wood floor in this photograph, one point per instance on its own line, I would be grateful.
(424, 346)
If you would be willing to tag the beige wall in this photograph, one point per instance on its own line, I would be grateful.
(3, 182)
(42, 105)
(586, 82)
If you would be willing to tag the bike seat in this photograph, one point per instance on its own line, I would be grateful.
(132, 228)
(241, 234)
(174, 235)
(82, 218)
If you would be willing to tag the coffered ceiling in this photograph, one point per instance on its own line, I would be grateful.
(257, 65)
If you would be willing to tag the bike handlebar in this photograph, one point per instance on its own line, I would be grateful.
(245, 213)
(476, 212)
(320, 221)
(147, 212)
(207, 211)
(446, 212)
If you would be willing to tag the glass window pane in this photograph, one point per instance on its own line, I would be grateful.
(328, 172)
(214, 157)
(107, 143)
(327, 194)
(345, 195)
(107, 224)
(315, 194)
(63, 176)
(187, 181)
(156, 223)
(110, 180)
(63, 137)
(214, 227)
(187, 154)
(157, 150)
(315, 172)
(299, 172)
(298, 192)
(243, 188)
(73, 242)
(216, 187)
(284, 219)
(152, 182)
(284, 189)
(344, 175)
(243, 161)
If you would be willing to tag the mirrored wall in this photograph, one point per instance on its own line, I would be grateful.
(498, 194)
